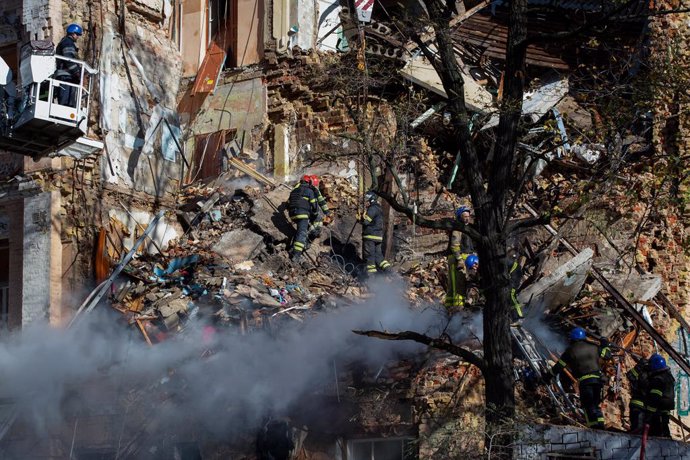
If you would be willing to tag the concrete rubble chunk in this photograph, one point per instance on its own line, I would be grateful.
(561, 286)
(271, 222)
(238, 245)
(634, 286)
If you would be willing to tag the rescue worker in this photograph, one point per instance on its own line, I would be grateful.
(301, 206)
(638, 377)
(463, 286)
(68, 71)
(470, 279)
(660, 397)
(582, 359)
(460, 246)
(372, 235)
(316, 219)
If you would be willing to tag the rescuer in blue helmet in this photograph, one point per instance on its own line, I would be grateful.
(660, 398)
(582, 360)
(67, 70)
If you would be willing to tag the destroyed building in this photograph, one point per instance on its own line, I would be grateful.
(166, 221)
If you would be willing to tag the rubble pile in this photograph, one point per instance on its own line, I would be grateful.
(209, 273)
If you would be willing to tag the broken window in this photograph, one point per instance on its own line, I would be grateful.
(230, 36)
(382, 449)
(223, 26)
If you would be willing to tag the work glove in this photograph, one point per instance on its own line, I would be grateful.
(358, 216)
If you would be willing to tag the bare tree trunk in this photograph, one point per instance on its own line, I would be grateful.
(489, 198)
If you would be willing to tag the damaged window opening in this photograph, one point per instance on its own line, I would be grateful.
(222, 26)
(381, 449)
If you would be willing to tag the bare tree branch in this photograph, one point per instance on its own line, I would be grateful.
(439, 344)
(440, 224)
(517, 224)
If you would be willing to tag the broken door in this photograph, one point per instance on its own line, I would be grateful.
(208, 155)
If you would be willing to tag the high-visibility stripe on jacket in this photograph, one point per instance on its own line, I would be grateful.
(67, 48)
(321, 201)
(372, 223)
(302, 201)
(661, 391)
(582, 358)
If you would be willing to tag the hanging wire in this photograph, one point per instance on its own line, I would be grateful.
(346, 268)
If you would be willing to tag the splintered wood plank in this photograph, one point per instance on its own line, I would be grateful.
(102, 261)
(143, 331)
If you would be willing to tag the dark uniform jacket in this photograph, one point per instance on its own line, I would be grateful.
(321, 201)
(582, 359)
(302, 201)
(372, 223)
(67, 70)
(638, 377)
(661, 391)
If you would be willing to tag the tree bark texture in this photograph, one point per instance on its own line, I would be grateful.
(489, 198)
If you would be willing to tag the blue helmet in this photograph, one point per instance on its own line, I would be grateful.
(75, 29)
(657, 362)
(460, 210)
(471, 261)
(578, 334)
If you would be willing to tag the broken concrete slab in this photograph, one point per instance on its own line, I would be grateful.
(561, 286)
(269, 215)
(238, 245)
(537, 102)
(420, 71)
(575, 114)
(634, 286)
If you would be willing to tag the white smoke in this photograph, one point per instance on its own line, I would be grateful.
(248, 377)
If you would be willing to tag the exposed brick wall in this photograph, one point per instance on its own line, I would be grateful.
(313, 117)
(536, 441)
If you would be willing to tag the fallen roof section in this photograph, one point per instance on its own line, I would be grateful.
(420, 71)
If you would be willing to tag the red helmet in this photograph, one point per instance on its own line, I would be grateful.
(307, 178)
(315, 180)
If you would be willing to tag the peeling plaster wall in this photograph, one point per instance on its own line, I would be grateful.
(240, 105)
(165, 231)
(303, 14)
(137, 94)
(306, 19)
(43, 19)
(328, 18)
(41, 283)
